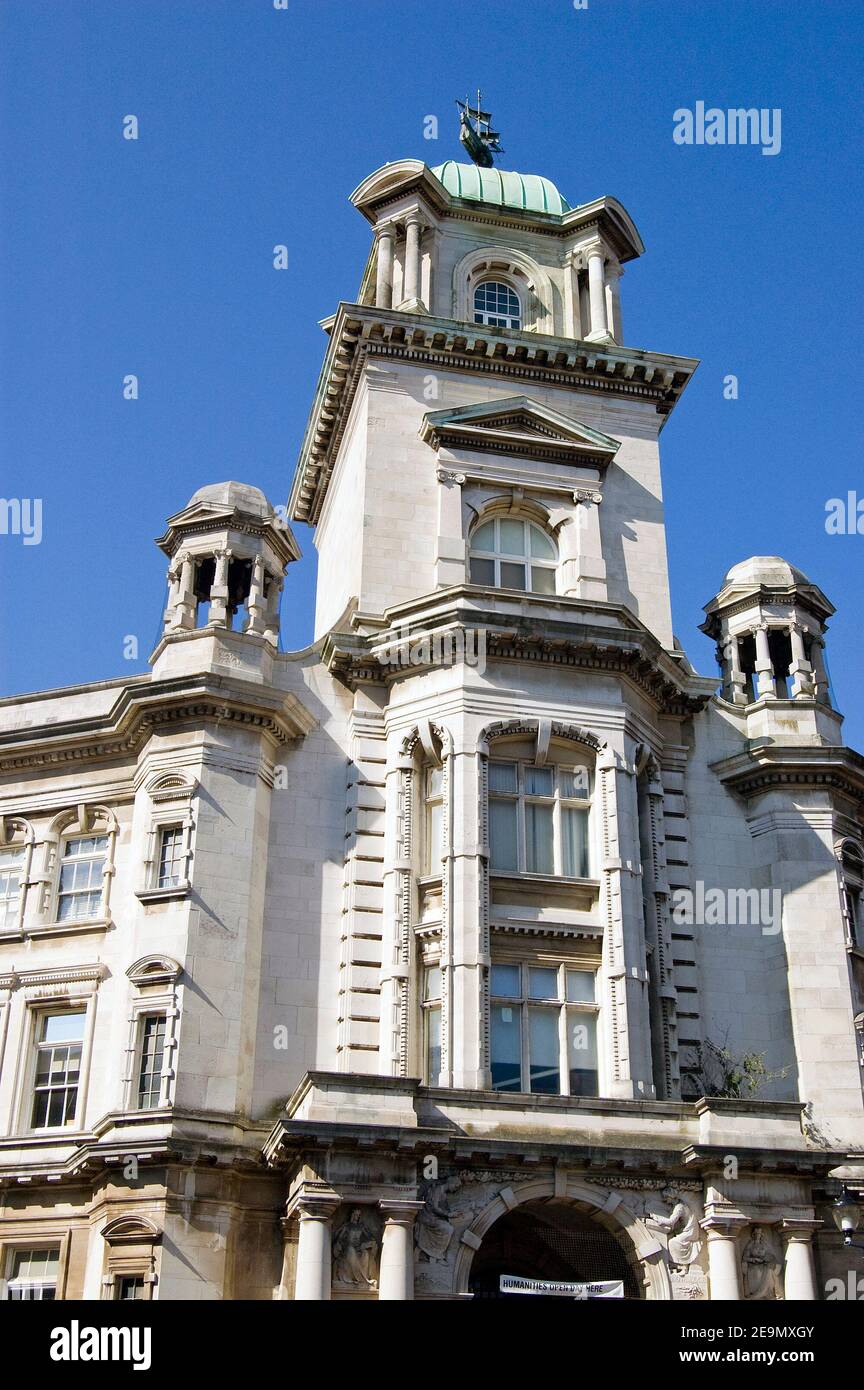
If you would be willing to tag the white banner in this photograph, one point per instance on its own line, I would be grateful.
(515, 1283)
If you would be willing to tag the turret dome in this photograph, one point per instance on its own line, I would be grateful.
(503, 188)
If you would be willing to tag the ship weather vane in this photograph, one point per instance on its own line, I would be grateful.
(481, 142)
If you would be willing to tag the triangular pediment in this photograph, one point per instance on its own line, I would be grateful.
(519, 425)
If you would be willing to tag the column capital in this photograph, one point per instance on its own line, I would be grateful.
(399, 1210)
(800, 1228)
(724, 1227)
(314, 1206)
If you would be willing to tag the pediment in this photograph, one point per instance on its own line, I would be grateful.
(520, 426)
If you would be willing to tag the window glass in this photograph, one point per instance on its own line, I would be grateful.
(506, 1048)
(502, 777)
(544, 1051)
(542, 580)
(505, 981)
(152, 1058)
(580, 986)
(497, 304)
(540, 546)
(513, 576)
(170, 857)
(432, 982)
(11, 864)
(58, 1069)
(542, 982)
(539, 847)
(484, 536)
(582, 1052)
(504, 853)
(81, 873)
(433, 1044)
(539, 781)
(131, 1286)
(33, 1275)
(482, 571)
(574, 782)
(512, 537)
(574, 842)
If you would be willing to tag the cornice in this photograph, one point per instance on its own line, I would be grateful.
(142, 710)
(767, 766)
(362, 333)
(626, 650)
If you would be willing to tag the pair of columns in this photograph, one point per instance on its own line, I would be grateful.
(411, 274)
(313, 1280)
(263, 608)
(598, 318)
(724, 1265)
(807, 679)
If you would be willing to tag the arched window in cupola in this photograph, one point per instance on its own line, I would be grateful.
(513, 553)
(497, 305)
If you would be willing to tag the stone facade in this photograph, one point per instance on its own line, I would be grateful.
(360, 971)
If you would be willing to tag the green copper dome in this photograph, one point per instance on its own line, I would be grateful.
(530, 192)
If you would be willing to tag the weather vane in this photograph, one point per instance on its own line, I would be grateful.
(475, 134)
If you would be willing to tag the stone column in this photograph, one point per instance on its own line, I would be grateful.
(467, 1002)
(572, 305)
(184, 611)
(384, 273)
(313, 1280)
(817, 654)
(255, 602)
(219, 588)
(613, 301)
(173, 596)
(800, 1274)
(413, 229)
(764, 669)
(737, 681)
(597, 293)
(271, 617)
(624, 978)
(582, 567)
(396, 1274)
(723, 1263)
(450, 557)
(402, 802)
(800, 671)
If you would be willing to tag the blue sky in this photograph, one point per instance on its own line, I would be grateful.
(155, 257)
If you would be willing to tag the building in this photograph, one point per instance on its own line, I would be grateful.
(442, 949)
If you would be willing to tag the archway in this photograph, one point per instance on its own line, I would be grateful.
(551, 1240)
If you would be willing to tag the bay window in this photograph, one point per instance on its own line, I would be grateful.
(544, 1029)
(539, 819)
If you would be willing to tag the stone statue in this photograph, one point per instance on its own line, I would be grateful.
(433, 1229)
(354, 1253)
(761, 1268)
(682, 1227)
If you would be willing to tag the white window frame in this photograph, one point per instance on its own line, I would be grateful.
(49, 992)
(565, 1009)
(432, 854)
(486, 316)
(17, 837)
(15, 1245)
(428, 1007)
(154, 982)
(171, 797)
(522, 798)
(498, 557)
(87, 821)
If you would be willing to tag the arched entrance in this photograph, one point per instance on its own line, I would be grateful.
(549, 1239)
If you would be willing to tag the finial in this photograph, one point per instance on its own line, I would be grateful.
(475, 134)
